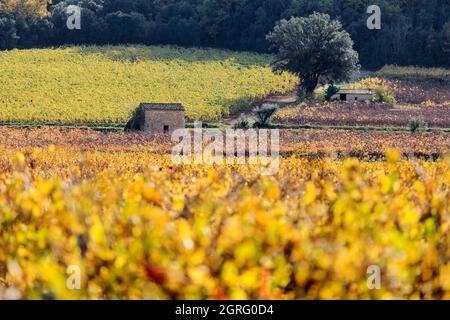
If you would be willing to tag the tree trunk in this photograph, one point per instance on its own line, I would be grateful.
(309, 83)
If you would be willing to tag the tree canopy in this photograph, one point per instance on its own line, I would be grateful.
(314, 47)
(413, 32)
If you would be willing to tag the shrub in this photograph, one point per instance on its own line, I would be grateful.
(382, 94)
(242, 123)
(417, 124)
(330, 91)
(263, 114)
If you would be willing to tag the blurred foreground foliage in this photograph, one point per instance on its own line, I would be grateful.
(139, 227)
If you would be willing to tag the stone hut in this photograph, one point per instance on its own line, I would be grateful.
(157, 118)
(353, 95)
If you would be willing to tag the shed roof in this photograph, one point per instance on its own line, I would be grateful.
(161, 106)
(356, 91)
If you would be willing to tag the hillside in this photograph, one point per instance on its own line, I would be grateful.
(104, 84)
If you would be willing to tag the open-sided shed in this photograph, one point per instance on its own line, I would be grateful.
(353, 95)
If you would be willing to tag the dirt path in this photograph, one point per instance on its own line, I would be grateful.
(281, 99)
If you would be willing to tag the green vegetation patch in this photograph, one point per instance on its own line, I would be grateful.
(105, 84)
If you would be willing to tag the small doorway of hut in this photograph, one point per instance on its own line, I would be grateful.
(343, 97)
(166, 129)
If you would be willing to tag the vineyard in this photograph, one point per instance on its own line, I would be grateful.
(105, 84)
(398, 102)
(140, 227)
(356, 187)
(421, 91)
(304, 143)
(376, 115)
(414, 72)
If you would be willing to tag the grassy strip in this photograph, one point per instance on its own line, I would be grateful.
(214, 125)
(93, 126)
(355, 128)
(221, 126)
(208, 125)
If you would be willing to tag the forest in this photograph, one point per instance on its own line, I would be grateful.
(413, 32)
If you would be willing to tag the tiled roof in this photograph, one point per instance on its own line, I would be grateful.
(162, 106)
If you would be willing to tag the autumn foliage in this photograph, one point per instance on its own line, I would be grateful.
(106, 84)
(140, 227)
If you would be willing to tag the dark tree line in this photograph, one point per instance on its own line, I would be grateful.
(413, 32)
